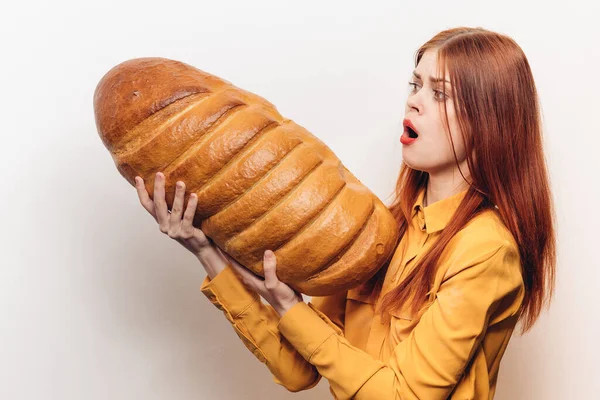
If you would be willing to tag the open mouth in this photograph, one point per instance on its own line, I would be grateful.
(411, 132)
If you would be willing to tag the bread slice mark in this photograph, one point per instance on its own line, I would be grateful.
(157, 154)
(342, 239)
(329, 230)
(206, 136)
(246, 169)
(276, 183)
(253, 248)
(120, 103)
(340, 254)
(203, 113)
(280, 200)
(229, 137)
(248, 206)
(177, 96)
(287, 195)
(156, 123)
(275, 192)
(197, 185)
(293, 273)
(319, 214)
(335, 257)
(359, 262)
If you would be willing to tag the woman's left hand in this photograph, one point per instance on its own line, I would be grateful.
(278, 294)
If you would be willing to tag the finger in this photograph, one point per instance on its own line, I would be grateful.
(269, 263)
(177, 208)
(160, 205)
(190, 211)
(145, 199)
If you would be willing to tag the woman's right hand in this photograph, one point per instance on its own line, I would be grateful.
(172, 224)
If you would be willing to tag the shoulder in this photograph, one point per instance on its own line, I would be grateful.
(484, 242)
(483, 235)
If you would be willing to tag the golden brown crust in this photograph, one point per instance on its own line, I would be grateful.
(263, 181)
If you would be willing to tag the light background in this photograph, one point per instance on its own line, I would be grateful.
(96, 303)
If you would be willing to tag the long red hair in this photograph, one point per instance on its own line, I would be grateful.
(498, 113)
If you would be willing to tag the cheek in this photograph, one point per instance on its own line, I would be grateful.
(455, 132)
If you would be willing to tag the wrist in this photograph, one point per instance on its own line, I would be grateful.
(205, 253)
(281, 310)
(212, 261)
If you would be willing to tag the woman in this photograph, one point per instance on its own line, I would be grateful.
(476, 254)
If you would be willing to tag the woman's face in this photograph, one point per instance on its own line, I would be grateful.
(432, 150)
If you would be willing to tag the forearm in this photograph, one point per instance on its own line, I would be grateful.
(351, 372)
(212, 260)
(256, 325)
(257, 328)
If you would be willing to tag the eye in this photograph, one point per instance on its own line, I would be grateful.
(438, 97)
(413, 86)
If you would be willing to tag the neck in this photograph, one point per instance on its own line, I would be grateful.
(441, 187)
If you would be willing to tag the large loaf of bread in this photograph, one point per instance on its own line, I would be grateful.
(263, 181)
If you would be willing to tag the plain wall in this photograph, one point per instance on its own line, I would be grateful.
(97, 303)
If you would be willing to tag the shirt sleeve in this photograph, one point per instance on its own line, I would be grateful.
(431, 360)
(256, 325)
(333, 308)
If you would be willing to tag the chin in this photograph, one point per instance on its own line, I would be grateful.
(416, 166)
(410, 163)
(413, 166)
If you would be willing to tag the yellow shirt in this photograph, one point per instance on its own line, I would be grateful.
(451, 349)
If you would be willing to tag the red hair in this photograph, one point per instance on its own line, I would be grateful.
(497, 110)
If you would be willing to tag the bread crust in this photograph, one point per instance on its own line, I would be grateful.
(263, 181)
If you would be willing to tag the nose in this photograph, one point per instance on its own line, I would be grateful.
(414, 102)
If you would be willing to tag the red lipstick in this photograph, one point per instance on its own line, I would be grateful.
(410, 134)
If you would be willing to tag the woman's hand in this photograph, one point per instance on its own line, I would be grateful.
(278, 294)
(171, 222)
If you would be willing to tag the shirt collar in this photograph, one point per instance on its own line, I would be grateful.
(436, 216)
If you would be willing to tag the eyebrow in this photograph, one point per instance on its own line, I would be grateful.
(431, 79)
